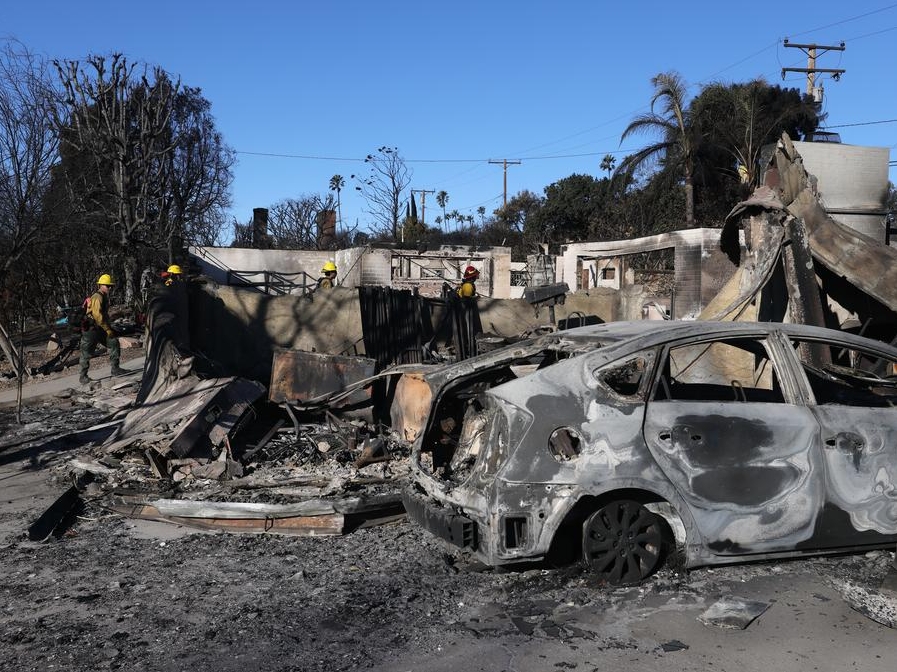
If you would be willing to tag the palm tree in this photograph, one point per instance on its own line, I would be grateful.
(442, 199)
(678, 144)
(336, 184)
(607, 163)
(457, 216)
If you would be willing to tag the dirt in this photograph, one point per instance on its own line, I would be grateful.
(114, 593)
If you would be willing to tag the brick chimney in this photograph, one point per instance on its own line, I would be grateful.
(260, 228)
(327, 230)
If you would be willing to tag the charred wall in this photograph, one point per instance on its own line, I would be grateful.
(240, 328)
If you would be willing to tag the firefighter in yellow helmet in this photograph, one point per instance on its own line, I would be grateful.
(172, 274)
(328, 276)
(97, 329)
(468, 288)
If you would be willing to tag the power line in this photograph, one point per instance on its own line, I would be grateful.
(864, 123)
(298, 156)
(848, 20)
(544, 157)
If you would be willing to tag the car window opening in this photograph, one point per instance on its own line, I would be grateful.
(853, 378)
(737, 370)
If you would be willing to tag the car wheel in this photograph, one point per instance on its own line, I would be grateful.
(622, 542)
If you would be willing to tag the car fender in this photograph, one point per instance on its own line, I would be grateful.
(660, 498)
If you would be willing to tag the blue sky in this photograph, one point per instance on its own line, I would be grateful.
(305, 90)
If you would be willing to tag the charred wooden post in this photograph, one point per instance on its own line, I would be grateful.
(805, 304)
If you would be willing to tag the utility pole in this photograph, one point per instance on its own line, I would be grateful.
(506, 163)
(423, 202)
(812, 50)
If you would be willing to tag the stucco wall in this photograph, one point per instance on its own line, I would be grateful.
(700, 267)
(240, 328)
(365, 266)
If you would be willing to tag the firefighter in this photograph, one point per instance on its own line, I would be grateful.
(97, 329)
(468, 288)
(172, 274)
(328, 276)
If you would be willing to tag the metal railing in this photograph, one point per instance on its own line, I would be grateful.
(273, 282)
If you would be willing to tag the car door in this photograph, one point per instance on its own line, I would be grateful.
(855, 405)
(728, 428)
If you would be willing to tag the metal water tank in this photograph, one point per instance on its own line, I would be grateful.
(852, 182)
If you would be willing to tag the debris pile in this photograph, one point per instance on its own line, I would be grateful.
(212, 452)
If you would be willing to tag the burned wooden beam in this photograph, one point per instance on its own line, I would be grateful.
(61, 512)
(312, 517)
(805, 303)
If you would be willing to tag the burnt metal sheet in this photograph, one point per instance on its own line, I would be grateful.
(297, 375)
(866, 263)
(223, 408)
(193, 408)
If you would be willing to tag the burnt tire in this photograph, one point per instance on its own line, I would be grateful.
(623, 542)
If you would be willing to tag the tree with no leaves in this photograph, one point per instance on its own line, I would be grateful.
(383, 188)
(196, 179)
(677, 147)
(28, 151)
(121, 118)
(293, 222)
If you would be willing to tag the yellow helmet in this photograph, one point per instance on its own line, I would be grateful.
(174, 269)
(105, 279)
(329, 267)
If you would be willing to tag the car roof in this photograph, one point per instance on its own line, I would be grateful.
(621, 337)
(660, 331)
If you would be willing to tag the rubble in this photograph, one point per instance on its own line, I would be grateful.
(733, 612)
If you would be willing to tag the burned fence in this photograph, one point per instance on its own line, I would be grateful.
(395, 324)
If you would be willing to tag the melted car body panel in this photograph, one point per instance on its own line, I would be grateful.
(860, 452)
(749, 472)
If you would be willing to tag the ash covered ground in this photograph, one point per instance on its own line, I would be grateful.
(114, 593)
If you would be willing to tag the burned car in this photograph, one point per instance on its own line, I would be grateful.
(714, 442)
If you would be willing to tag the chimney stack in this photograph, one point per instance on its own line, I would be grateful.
(327, 231)
(260, 228)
